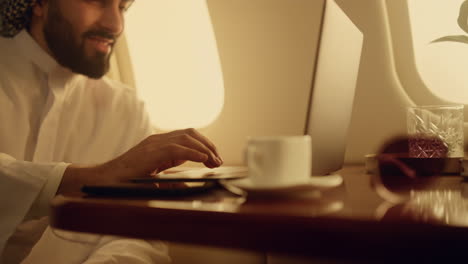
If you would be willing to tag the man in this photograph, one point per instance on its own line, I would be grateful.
(63, 125)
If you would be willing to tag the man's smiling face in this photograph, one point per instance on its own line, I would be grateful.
(81, 34)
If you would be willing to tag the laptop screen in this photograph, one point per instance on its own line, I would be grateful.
(332, 90)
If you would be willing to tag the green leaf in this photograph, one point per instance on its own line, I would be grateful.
(458, 38)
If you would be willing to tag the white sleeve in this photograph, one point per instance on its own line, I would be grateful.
(59, 246)
(129, 251)
(26, 189)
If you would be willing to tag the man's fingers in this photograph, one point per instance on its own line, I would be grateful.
(190, 138)
(196, 135)
(179, 152)
(190, 142)
(185, 138)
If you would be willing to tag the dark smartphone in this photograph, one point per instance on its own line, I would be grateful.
(148, 189)
(213, 178)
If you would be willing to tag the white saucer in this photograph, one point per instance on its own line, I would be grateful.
(314, 183)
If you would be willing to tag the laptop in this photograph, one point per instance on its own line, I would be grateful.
(333, 88)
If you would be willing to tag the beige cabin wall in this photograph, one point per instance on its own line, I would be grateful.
(379, 112)
(267, 50)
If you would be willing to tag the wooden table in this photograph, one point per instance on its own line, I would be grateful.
(357, 220)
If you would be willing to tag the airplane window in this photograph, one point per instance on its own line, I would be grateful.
(439, 30)
(175, 62)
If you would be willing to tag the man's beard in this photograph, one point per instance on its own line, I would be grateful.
(70, 52)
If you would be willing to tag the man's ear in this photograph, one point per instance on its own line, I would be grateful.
(39, 8)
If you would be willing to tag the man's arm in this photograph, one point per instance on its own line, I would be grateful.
(154, 154)
(24, 189)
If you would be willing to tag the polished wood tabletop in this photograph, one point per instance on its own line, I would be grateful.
(365, 217)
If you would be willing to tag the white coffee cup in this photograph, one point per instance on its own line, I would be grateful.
(278, 160)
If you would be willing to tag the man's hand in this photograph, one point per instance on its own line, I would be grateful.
(154, 154)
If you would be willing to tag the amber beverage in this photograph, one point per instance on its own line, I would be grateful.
(435, 131)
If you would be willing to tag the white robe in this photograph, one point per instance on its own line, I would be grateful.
(49, 118)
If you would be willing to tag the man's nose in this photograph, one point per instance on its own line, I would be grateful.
(112, 20)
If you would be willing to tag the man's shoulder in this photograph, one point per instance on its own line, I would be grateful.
(6, 42)
(8, 51)
(13, 64)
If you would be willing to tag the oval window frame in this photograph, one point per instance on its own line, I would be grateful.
(401, 41)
